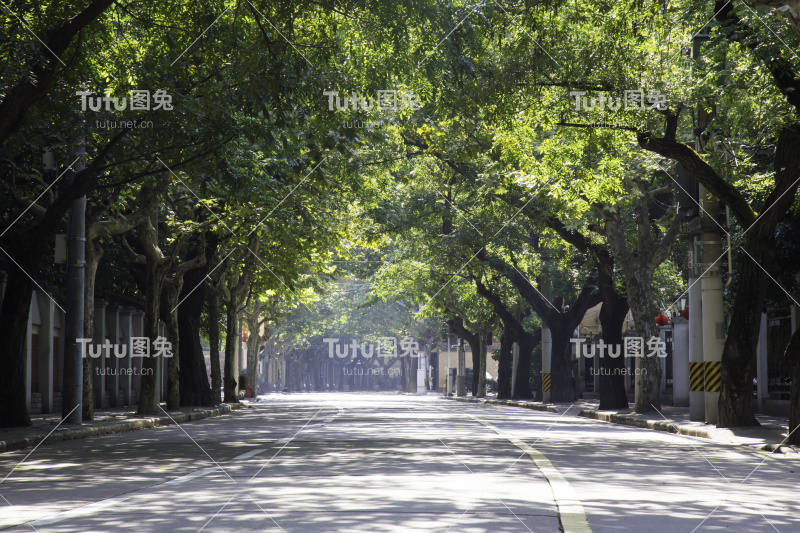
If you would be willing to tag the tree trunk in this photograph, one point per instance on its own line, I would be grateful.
(648, 369)
(194, 387)
(93, 255)
(252, 347)
(505, 361)
(410, 374)
(148, 384)
(561, 368)
(481, 368)
(792, 357)
(213, 339)
(475, 346)
(231, 339)
(736, 405)
(13, 330)
(522, 386)
(170, 302)
(612, 380)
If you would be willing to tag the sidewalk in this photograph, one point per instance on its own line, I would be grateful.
(105, 421)
(768, 436)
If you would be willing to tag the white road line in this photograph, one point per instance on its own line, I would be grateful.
(570, 509)
(79, 511)
(187, 477)
(248, 455)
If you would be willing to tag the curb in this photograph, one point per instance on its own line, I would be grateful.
(658, 425)
(116, 427)
(626, 420)
(614, 418)
(513, 403)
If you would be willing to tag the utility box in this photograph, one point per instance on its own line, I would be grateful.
(61, 249)
(687, 192)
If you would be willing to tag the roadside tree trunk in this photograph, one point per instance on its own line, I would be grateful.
(213, 340)
(612, 379)
(505, 361)
(612, 314)
(639, 265)
(231, 339)
(195, 389)
(792, 357)
(13, 328)
(253, 342)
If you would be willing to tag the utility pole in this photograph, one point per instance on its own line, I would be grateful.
(710, 243)
(71, 406)
(697, 400)
(711, 304)
(515, 351)
(461, 377)
(547, 339)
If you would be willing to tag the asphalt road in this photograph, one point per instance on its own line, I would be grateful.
(391, 463)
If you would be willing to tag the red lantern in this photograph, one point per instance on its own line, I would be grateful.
(662, 320)
(685, 313)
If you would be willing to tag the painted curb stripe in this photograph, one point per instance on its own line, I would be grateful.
(570, 509)
(713, 375)
(696, 377)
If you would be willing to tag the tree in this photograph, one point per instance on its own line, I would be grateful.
(639, 262)
(513, 331)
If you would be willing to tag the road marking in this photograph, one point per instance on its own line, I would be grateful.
(80, 511)
(248, 455)
(570, 509)
(187, 477)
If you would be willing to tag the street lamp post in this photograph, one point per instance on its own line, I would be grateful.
(72, 399)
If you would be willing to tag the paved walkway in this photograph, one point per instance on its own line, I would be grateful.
(769, 436)
(47, 428)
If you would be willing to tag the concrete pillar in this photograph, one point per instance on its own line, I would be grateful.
(461, 377)
(160, 373)
(112, 363)
(697, 399)
(99, 364)
(547, 347)
(514, 365)
(547, 343)
(59, 347)
(596, 374)
(711, 295)
(126, 329)
(662, 334)
(47, 314)
(29, 352)
(680, 362)
(762, 375)
(241, 354)
(284, 383)
(137, 330)
(422, 371)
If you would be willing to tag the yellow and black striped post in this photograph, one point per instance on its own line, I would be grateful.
(713, 376)
(545, 381)
(696, 377)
